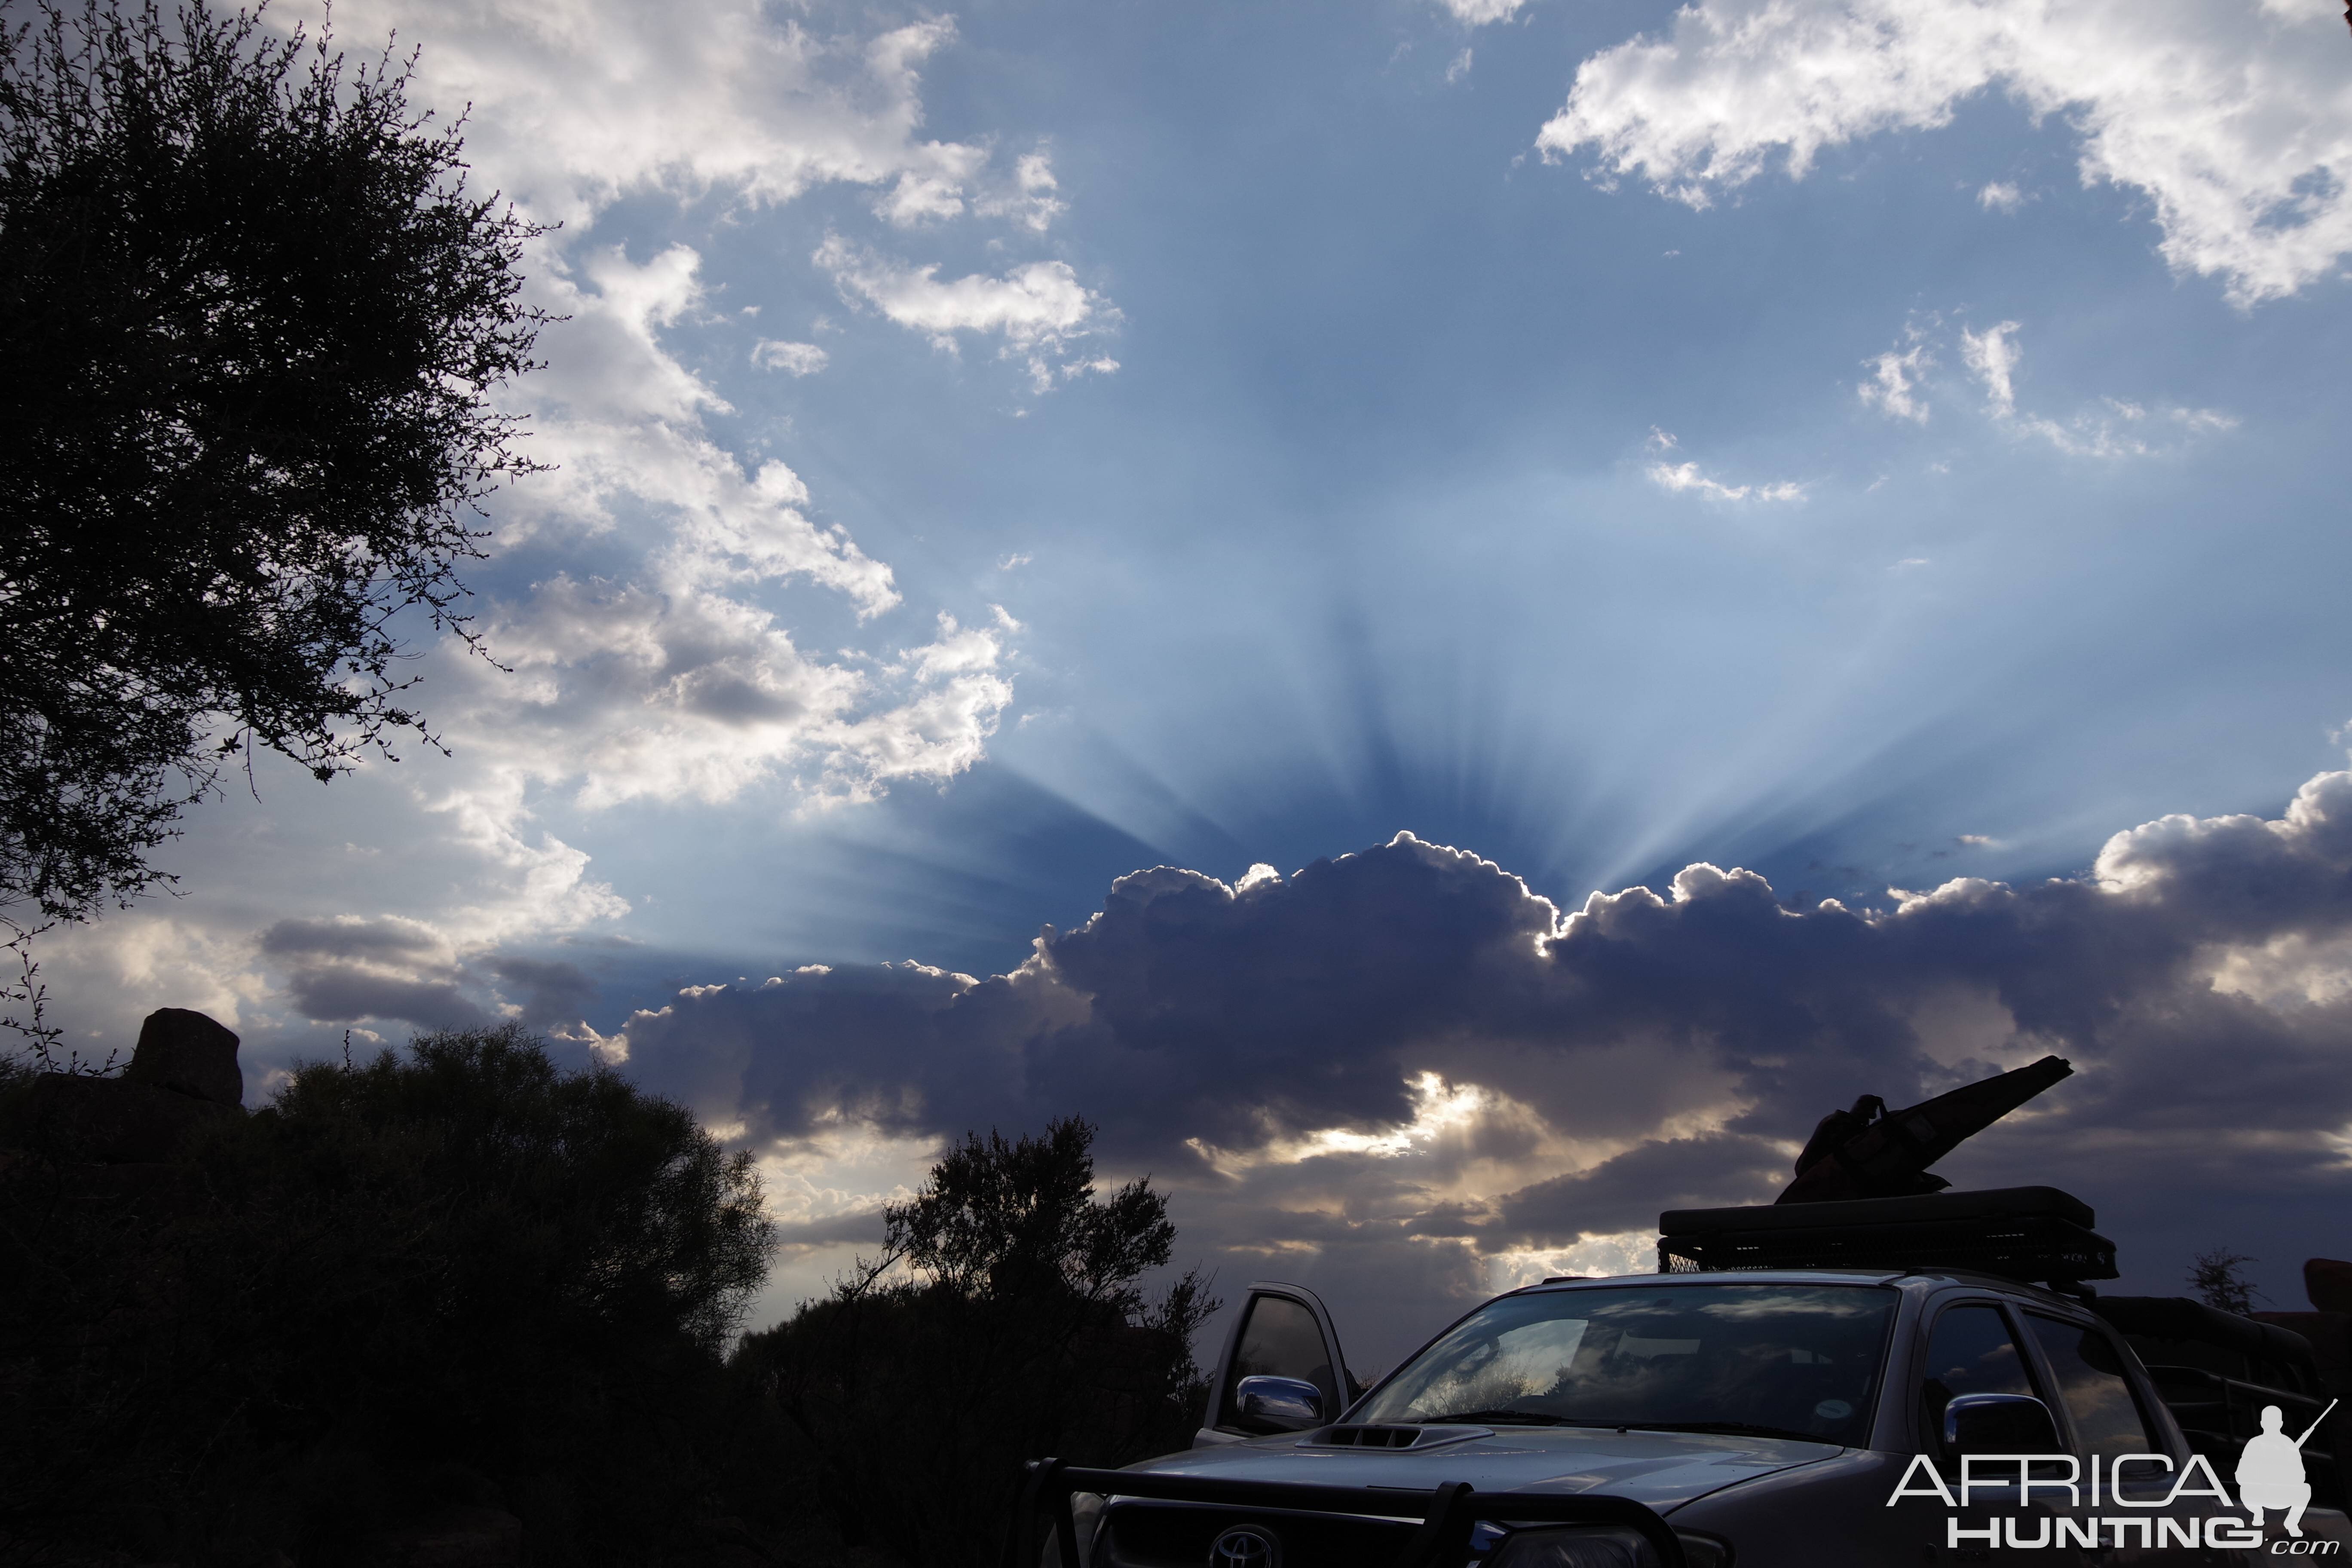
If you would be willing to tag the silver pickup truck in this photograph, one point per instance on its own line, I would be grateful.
(1799, 1418)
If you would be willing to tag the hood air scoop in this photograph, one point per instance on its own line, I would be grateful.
(1384, 1435)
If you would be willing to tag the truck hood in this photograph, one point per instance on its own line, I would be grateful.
(1663, 1469)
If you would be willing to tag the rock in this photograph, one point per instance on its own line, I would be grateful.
(183, 1050)
(2329, 1282)
(111, 1120)
(453, 1538)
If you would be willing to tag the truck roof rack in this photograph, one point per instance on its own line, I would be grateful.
(2034, 1234)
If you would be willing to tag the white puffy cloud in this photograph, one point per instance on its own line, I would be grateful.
(792, 359)
(1991, 355)
(1038, 307)
(1893, 382)
(2000, 195)
(1478, 13)
(672, 677)
(576, 102)
(1040, 302)
(2234, 117)
(672, 690)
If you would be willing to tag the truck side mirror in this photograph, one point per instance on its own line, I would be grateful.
(1279, 1404)
(1999, 1423)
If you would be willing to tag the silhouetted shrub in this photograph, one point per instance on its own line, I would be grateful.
(459, 1277)
(905, 1404)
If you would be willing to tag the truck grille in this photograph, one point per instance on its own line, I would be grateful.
(1162, 1535)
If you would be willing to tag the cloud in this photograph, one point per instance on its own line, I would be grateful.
(1629, 1190)
(2000, 196)
(578, 103)
(1029, 200)
(1894, 380)
(555, 994)
(678, 689)
(2232, 117)
(1686, 477)
(345, 993)
(663, 671)
(667, 673)
(1403, 1059)
(1036, 309)
(1458, 69)
(353, 937)
(792, 359)
(2117, 428)
(1478, 13)
(1991, 356)
(347, 969)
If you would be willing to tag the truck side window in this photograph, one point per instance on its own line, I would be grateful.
(1283, 1340)
(1970, 1352)
(2091, 1380)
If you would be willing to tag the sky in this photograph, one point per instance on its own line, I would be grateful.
(1450, 617)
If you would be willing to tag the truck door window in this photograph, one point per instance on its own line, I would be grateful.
(2091, 1382)
(1970, 1352)
(1282, 1339)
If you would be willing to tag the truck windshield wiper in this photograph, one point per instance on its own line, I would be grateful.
(1524, 1418)
(1733, 1428)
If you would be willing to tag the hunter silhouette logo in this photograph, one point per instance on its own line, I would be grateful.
(2270, 1471)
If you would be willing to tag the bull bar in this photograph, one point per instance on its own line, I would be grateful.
(1448, 1514)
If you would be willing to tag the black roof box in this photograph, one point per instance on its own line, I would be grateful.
(2022, 1233)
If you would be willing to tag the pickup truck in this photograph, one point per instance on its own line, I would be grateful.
(1764, 1418)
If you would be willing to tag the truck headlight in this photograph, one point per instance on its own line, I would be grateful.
(1578, 1546)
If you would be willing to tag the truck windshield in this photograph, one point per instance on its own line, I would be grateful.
(1797, 1361)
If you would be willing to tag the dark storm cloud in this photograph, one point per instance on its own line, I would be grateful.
(384, 939)
(1629, 1190)
(1240, 1017)
(555, 992)
(1182, 1010)
(341, 994)
(344, 970)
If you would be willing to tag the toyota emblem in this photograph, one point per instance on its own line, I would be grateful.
(1245, 1546)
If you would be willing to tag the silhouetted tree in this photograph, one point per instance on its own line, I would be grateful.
(249, 319)
(2219, 1279)
(460, 1276)
(1003, 1320)
(1012, 1220)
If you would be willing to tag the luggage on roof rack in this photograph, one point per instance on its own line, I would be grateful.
(2038, 1234)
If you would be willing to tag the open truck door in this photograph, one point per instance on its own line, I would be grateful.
(1283, 1338)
